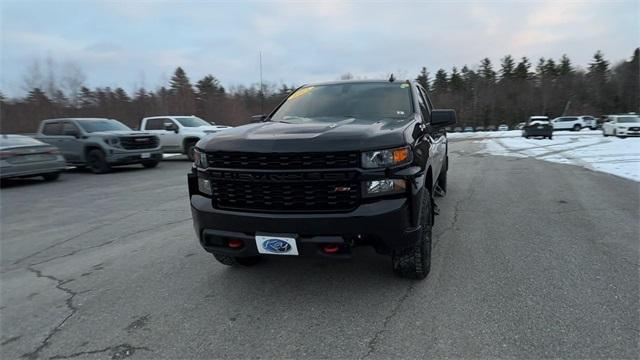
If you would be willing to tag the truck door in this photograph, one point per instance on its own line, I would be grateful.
(69, 142)
(169, 139)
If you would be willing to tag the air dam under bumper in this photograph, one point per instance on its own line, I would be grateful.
(384, 224)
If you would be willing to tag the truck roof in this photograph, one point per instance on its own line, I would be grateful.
(78, 118)
(358, 81)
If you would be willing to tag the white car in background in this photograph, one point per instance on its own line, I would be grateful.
(575, 123)
(503, 127)
(621, 126)
(179, 134)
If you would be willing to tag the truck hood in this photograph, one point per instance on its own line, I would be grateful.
(119, 133)
(328, 134)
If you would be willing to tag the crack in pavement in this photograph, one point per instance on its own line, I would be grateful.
(70, 238)
(373, 342)
(106, 242)
(69, 303)
(120, 351)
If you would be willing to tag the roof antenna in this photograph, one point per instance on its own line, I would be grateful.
(391, 78)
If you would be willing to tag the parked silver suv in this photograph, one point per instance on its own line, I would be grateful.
(100, 143)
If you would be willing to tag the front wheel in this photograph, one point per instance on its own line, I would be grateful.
(190, 149)
(97, 162)
(415, 262)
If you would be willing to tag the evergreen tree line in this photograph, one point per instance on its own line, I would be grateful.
(483, 96)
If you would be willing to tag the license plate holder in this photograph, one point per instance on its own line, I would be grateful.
(276, 245)
(145, 155)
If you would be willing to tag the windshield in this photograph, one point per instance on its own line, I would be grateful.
(102, 125)
(191, 121)
(6, 141)
(628, 119)
(351, 100)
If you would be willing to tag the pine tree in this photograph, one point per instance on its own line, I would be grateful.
(565, 67)
(181, 94)
(522, 69)
(440, 83)
(507, 70)
(37, 97)
(456, 83)
(86, 98)
(423, 78)
(486, 71)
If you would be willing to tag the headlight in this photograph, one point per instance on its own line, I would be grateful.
(113, 141)
(384, 187)
(200, 159)
(386, 158)
(204, 186)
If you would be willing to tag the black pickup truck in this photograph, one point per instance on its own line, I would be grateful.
(334, 166)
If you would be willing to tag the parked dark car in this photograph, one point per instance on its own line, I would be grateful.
(538, 126)
(334, 166)
(22, 156)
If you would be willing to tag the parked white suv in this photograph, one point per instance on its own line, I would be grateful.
(575, 123)
(179, 134)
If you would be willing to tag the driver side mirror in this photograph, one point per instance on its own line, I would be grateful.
(171, 127)
(259, 118)
(443, 117)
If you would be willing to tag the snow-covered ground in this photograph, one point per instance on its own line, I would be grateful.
(586, 148)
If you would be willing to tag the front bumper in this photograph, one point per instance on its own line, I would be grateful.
(384, 224)
(123, 157)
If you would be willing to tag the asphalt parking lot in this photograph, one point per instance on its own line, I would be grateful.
(532, 260)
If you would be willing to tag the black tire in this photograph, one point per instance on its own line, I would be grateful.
(233, 261)
(150, 164)
(604, 133)
(189, 149)
(97, 162)
(415, 262)
(51, 176)
(576, 127)
(550, 137)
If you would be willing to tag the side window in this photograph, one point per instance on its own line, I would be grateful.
(52, 128)
(572, 119)
(424, 109)
(69, 129)
(156, 124)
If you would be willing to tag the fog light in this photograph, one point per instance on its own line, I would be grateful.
(204, 185)
(384, 187)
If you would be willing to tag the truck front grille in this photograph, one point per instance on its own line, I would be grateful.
(285, 197)
(282, 161)
(284, 182)
(139, 142)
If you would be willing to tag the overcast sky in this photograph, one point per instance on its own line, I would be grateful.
(133, 43)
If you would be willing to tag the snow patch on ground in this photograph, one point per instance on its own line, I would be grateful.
(611, 155)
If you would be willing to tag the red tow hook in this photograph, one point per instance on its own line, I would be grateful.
(236, 244)
(331, 249)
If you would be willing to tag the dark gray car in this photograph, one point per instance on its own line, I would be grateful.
(99, 143)
(22, 156)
